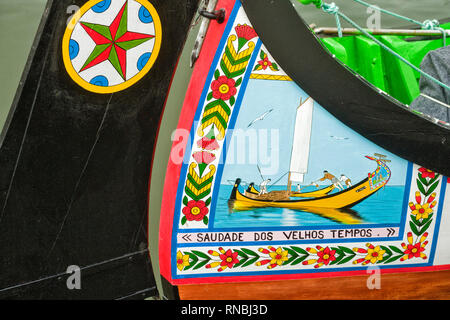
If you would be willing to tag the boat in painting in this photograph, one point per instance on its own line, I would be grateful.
(343, 199)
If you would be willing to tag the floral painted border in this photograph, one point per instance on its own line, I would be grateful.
(220, 100)
(267, 69)
(265, 63)
(421, 216)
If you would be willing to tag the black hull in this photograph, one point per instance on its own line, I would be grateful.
(75, 170)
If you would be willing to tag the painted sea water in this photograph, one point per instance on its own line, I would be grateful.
(384, 207)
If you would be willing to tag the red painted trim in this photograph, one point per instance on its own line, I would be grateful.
(225, 279)
(154, 152)
(191, 101)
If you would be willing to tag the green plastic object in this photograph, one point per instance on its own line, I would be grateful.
(317, 3)
(379, 67)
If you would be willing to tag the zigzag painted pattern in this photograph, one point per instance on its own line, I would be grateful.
(196, 187)
(216, 112)
(232, 64)
(270, 77)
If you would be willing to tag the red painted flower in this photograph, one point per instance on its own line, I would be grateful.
(265, 63)
(228, 258)
(425, 173)
(326, 256)
(195, 210)
(413, 251)
(245, 31)
(208, 144)
(223, 88)
(204, 157)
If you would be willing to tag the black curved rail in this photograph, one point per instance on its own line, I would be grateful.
(347, 96)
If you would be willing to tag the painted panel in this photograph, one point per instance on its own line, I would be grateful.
(272, 186)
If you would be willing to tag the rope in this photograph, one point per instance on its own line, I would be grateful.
(426, 25)
(394, 53)
(430, 24)
(434, 25)
(388, 12)
(333, 9)
(435, 100)
(279, 179)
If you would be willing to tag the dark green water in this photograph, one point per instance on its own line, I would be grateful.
(19, 20)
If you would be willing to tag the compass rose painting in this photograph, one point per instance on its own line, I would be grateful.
(110, 45)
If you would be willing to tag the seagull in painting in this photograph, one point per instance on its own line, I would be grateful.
(339, 138)
(261, 117)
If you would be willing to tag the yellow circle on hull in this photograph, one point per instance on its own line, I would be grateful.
(128, 83)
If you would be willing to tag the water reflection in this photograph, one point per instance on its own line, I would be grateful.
(294, 216)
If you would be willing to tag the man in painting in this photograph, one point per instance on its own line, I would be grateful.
(345, 180)
(263, 187)
(332, 178)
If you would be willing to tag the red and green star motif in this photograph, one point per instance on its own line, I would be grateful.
(112, 42)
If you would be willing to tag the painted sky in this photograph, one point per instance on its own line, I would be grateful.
(268, 142)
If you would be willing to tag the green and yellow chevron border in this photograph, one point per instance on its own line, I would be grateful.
(214, 121)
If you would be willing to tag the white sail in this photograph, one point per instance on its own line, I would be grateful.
(301, 141)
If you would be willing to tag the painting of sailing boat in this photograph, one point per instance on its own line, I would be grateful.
(299, 166)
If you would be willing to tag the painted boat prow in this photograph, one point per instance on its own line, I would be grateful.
(287, 243)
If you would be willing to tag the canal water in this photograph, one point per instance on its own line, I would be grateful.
(19, 20)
